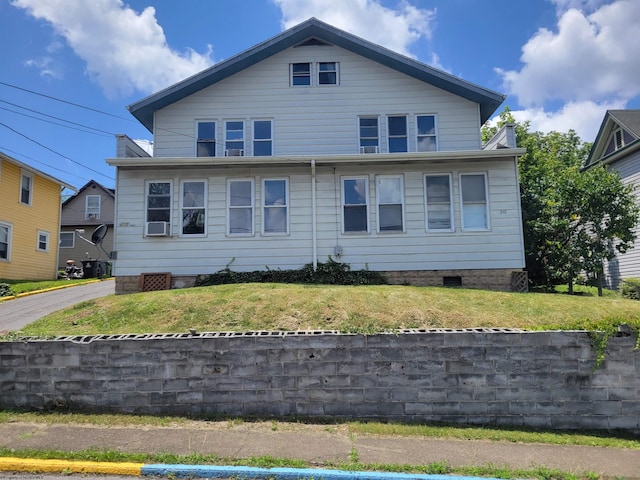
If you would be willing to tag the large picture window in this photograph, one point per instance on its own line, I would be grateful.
(439, 207)
(355, 211)
(397, 134)
(159, 202)
(194, 201)
(475, 211)
(206, 143)
(240, 201)
(390, 199)
(275, 204)
(5, 242)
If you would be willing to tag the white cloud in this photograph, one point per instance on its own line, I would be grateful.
(396, 29)
(47, 67)
(124, 50)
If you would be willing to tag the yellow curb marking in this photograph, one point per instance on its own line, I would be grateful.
(37, 465)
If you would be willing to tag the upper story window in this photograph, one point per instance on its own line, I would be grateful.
(234, 138)
(67, 240)
(92, 207)
(26, 188)
(475, 207)
(390, 198)
(240, 202)
(194, 213)
(369, 135)
(355, 204)
(275, 206)
(397, 133)
(262, 138)
(5, 241)
(300, 74)
(158, 202)
(43, 241)
(206, 143)
(439, 208)
(327, 73)
(426, 133)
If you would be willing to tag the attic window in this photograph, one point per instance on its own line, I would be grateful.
(300, 74)
(314, 42)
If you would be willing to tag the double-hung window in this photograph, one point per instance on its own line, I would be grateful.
(355, 204)
(262, 138)
(426, 130)
(67, 240)
(234, 138)
(159, 202)
(439, 207)
(240, 201)
(92, 207)
(206, 143)
(475, 207)
(327, 73)
(275, 205)
(5, 242)
(369, 135)
(194, 201)
(43, 241)
(390, 199)
(397, 133)
(300, 74)
(26, 188)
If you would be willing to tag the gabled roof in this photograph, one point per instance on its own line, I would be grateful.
(629, 121)
(317, 32)
(109, 191)
(7, 158)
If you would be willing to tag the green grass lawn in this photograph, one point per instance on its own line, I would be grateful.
(24, 286)
(362, 309)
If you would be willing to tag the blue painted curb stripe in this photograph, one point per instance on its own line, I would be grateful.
(212, 471)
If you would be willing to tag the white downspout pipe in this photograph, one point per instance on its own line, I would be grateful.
(314, 239)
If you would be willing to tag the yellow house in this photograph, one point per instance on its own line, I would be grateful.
(30, 203)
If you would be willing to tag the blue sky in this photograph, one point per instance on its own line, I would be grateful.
(70, 67)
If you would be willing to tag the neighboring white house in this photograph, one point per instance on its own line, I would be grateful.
(618, 146)
(317, 144)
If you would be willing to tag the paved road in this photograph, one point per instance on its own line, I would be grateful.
(16, 314)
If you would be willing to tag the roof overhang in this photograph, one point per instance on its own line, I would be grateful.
(7, 158)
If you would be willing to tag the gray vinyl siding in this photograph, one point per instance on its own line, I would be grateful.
(318, 120)
(414, 249)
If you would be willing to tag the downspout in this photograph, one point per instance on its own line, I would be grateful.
(314, 239)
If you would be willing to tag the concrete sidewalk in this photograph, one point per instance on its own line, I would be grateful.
(318, 445)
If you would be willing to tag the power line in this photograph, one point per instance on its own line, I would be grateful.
(4, 149)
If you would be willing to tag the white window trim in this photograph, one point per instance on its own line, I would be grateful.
(407, 135)
(73, 239)
(229, 207)
(253, 135)
(426, 204)
(311, 74)
(86, 207)
(146, 203)
(318, 72)
(365, 117)
(244, 135)
(435, 126)
(487, 209)
(215, 132)
(46, 236)
(25, 173)
(286, 205)
(9, 228)
(204, 206)
(366, 204)
(402, 204)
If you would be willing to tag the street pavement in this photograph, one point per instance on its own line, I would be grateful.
(19, 312)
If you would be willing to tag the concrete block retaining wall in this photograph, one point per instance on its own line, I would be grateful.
(483, 377)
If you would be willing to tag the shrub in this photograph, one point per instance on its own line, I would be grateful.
(630, 288)
(5, 290)
(329, 273)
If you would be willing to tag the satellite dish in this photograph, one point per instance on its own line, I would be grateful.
(98, 234)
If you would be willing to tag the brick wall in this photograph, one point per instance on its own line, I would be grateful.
(483, 377)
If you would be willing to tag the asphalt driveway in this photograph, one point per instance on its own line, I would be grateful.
(16, 314)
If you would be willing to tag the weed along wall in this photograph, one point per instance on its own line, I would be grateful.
(485, 377)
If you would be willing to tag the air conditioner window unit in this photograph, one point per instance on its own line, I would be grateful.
(157, 229)
(234, 152)
(369, 149)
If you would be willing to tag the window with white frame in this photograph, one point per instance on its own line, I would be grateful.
(275, 206)
(475, 208)
(369, 135)
(159, 202)
(240, 203)
(5, 241)
(92, 207)
(397, 133)
(206, 142)
(355, 204)
(327, 73)
(426, 133)
(67, 239)
(234, 138)
(43, 241)
(390, 199)
(193, 207)
(262, 138)
(439, 205)
(300, 74)
(26, 188)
